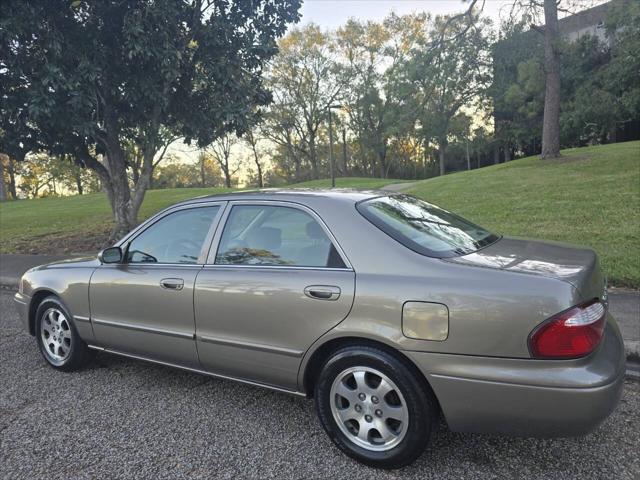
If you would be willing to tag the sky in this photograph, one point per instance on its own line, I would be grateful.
(333, 13)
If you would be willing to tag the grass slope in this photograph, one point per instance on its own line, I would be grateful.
(64, 224)
(591, 196)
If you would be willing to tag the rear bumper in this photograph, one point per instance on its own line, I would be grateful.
(542, 398)
(22, 304)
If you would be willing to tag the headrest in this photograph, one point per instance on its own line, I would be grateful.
(315, 231)
(267, 238)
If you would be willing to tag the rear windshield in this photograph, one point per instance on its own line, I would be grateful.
(425, 228)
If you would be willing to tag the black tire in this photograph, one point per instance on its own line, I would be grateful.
(78, 354)
(420, 402)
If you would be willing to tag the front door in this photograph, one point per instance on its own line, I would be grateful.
(275, 284)
(144, 306)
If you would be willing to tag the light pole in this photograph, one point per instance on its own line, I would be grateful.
(331, 165)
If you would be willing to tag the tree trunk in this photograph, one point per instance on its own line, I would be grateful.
(382, 158)
(202, 171)
(383, 166)
(442, 158)
(140, 190)
(253, 142)
(227, 176)
(551, 121)
(507, 154)
(120, 193)
(296, 162)
(260, 183)
(3, 188)
(11, 168)
(468, 158)
(78, 179)
(313, 159)
(496, 154)
(344, 152)
(124, 217)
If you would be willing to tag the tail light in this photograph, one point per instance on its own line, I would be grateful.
(570, 334)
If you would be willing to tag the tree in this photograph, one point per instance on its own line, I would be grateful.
(209, 174)
(598, 83)
(17, 139)
(221, 151)
(11, 169)
(620, 77)
(279, 127)
(175, 173)
(450, 76)
(37, 176)
(517, 89)
(524, 102)
(552, 47)
(303, 76)
(49, 175)
(252, 141)
(97, 77)
(3, 186)
(202, 164)
(376, 97)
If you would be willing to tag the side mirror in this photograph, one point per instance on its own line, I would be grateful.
(110, 255)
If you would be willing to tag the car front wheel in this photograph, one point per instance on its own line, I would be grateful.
(374, 407)
(58, 340)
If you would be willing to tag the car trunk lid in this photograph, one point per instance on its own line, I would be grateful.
(575, 265)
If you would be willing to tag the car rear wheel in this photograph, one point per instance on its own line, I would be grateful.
(375, 408)
(57, 337)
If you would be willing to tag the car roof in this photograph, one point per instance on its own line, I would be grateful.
(299, 195)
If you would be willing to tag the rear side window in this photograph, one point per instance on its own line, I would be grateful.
(423, 227)
(275, 235)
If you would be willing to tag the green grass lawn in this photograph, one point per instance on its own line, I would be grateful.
(60, 225)
(591, 196)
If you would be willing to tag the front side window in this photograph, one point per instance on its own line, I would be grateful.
(275, 235)
(423, 227)
(176, 238)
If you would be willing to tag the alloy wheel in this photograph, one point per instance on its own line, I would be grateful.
(55, 333)
(369, 408)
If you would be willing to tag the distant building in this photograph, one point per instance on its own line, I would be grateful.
(588, 22)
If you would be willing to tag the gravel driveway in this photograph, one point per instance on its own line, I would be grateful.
(123, 419)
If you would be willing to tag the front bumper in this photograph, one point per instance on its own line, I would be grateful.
(525, 397)
(22, 304)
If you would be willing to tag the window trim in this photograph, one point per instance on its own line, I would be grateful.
(215, 244)
(143, 227)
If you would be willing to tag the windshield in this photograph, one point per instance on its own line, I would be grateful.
(423, 227)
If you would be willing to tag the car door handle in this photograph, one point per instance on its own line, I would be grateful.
(322, 292)
(172, 283)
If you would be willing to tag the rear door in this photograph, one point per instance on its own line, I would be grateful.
(275, 281)
(144, 306)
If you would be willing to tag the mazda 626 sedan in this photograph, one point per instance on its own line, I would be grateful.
(387, 310)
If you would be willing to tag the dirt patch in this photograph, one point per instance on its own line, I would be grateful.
(57, 243)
